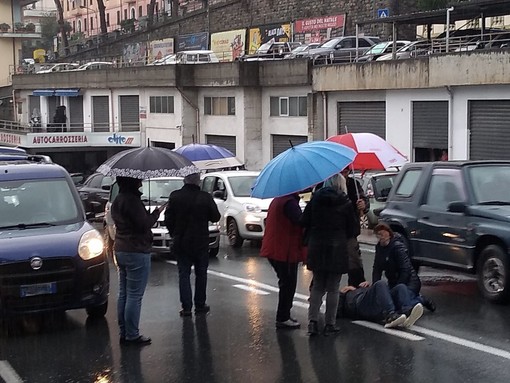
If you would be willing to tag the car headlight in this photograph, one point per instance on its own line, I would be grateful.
(252, 208)
(91, 245)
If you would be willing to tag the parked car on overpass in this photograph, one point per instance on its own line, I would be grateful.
(58, 67)
(381, 49)
(342, 49)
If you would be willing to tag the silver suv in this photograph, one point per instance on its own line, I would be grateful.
(341, 49)
(242, 217)
(158, 189)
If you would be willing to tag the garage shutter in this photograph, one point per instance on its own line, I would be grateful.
(281, 143)
(100, 113)
(76, 113)
(228, 142)
(362, 117)
(129, 114)
(430, 124)
(489, 124)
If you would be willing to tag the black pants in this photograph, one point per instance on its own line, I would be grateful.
(287, 281)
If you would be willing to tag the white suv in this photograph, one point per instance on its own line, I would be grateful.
(160, 189)
(242, 217)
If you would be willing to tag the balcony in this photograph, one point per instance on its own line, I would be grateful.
(19, 30)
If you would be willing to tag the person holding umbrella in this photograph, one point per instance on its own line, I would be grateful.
(133, 242)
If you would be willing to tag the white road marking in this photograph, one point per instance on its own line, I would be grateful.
(8, 374)
(378, 327)
(252, 289)
(463, 342)
(402, 334)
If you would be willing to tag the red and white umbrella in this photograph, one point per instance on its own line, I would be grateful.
(373, 151)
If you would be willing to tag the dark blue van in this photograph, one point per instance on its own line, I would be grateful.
(51, 258)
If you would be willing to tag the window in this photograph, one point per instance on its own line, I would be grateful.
(140, 11)
(409, 181)
(107, 19)
(85, 24)
(442, 191)
(118, 17)
(161, 104)
(91, 23)
(288, 106)
(220, 106)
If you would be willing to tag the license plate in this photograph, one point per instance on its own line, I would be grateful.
(38, 289)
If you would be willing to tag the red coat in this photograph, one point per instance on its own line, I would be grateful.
(283, 240)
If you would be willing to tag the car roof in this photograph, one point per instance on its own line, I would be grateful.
(24, 170)
(196, 52)
(233, 173)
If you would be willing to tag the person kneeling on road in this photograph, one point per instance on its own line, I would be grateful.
(375, 303)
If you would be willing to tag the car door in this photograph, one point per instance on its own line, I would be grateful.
(215, 186)
(442, 235)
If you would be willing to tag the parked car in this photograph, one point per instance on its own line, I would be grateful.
(92, 65)
(272, 50)
(301, 50)
(59, 67)
(51, 258)
(381, 49)
(376, 186)
(242, 217)
(414, 49)
(94, 194)
(341, 49)
(165, 60)
(155, 192)
(456, 215)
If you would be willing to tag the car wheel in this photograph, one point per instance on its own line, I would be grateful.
(363, 221)
(97, 311)
(213, 252)
(234, 238)
(493, 272)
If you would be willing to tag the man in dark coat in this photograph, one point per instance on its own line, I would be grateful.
(133, 243)
(187, 218)
(329, 220)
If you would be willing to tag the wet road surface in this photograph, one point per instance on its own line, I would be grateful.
(465, 340)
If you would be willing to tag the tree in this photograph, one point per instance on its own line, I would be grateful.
(429, 5)
(62, 26)
(102, 16)
(175, 9)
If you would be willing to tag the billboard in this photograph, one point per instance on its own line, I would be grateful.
(135, 53)
(160, 48)
(228, 45)
(319, 29)
(264, 33)
(195, 41)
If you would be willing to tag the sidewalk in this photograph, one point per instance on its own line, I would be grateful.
(367, 237)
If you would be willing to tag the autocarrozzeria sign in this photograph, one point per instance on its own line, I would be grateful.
(46, 140)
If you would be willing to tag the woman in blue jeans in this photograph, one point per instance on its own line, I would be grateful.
(133, 242)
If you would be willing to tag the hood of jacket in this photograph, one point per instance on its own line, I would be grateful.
(329, 196)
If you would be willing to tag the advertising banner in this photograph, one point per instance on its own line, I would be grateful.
(319, 29)
(160, 48)
(195, 41)
(135, 53)
(58, 140)
(264, 33)
(228, 45)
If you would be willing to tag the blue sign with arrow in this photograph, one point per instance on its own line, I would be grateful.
(384, 12)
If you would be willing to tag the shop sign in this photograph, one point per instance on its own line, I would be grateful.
(11, 139)
(86, 139)
(317, 23)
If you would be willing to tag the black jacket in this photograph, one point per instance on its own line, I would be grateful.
(329, 220)
(132, 221)
(355, 192)
(394, 261)
(187, 218)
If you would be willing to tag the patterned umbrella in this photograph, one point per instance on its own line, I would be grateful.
(147, 162)
(208, 156)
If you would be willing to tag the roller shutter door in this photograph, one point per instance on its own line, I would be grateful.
(430, 124)
(281, 143)
(362, 117)
(228, 142)
(129, 113)
(489, 124)
(100, 113)
(76, 113)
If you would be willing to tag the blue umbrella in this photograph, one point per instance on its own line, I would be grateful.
(301, 167)
(208, 156)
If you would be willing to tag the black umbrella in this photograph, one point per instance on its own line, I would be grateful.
(147, 162)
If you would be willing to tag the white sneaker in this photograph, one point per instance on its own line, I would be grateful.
(289, 324)
(415, 314)
(395, 320)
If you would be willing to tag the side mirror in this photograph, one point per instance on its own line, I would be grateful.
(377, 211)
(106, 187)
(220, 194)
(90, 215)
(457, 207)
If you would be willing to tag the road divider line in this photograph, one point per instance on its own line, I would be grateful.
(252, 289)
(8, 374)
(463, 342)
(398, 333)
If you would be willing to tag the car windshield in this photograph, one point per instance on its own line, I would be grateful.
(242, 185)
(490, 183)
(30, 203)
(377, 49)
(330, 43)
(158, 190)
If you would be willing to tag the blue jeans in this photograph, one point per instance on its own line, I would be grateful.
(184, 263)
(376, 304)
(134, 269)
(404, 298)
